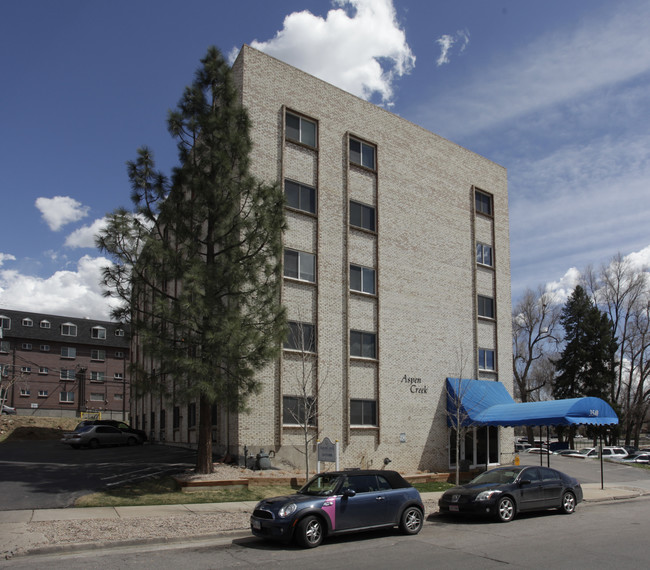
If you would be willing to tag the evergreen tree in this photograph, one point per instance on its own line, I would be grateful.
(197, 264)
(586, 366)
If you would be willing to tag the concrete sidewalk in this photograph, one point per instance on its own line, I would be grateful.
(16, 536)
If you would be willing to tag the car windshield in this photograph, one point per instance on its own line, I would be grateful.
(321, 485)
(497, 476)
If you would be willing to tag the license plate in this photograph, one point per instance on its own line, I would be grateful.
(257, 525)
(453, 508)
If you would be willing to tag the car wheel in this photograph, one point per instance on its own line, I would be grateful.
(505, 510)
(310, 532)
(93, 444)
(568, 503)
(132, 441)
(411, 522)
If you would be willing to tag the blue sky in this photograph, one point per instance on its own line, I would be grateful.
(557, 92)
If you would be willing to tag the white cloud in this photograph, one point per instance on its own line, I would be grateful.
(358, 47)
(60, 210)
(640, 260)
(447, 42)
(6, 257)
(563, 288)
(74, 293)
(85, 236)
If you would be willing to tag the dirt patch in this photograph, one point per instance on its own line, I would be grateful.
(34, 428)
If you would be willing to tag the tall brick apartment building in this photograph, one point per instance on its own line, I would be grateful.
(61, 366)
(396, 277)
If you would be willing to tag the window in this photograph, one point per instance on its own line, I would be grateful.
(119, 354)
(300, 265)
(362, 216)
(43, 393)
(296, 410)
(483, 203)
(362, 154)
(300, 197)
(485, 307)
(118, 376)
(26, 369)
(485, 359)
(68, 352)
(300, 129)
(46, 324)
(191, 415)
(176, 417)
(363, 344)
(96, 397)
(27, 322)
(98, 332)
(66, 397)
(302, 336)
(45, 348)
(118, 396)
(362, 279)
(68, 329)
(66, 374)
(96, 376)
(98, 354)
(5, 322)
(484, 254)
(363, 412)
(25, 392)
(119, 332)
(43, 370)
(27, 345)
(4, 346)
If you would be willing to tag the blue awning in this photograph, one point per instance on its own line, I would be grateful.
(483, 402)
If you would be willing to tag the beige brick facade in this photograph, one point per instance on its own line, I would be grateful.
(424, 312)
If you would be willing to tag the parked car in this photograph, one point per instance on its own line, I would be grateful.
(340, 502)
(565, 452)
(94, 436)
(538, 451)
(505, 491)
(611, 452)
(521, 447)
(630, 449)
(122, 426)
(636, 458)
(585, 453)
(8, 409)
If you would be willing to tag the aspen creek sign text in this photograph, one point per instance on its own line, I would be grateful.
(415, 385)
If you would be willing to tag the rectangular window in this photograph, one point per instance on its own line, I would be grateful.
(300, 197)
(96, 376)
(27, 322)
(4, 346)
(483, 203)
(363, 412)
(5, 323)
(191, 415)
(25, 392)
(43, 393)
(485, 307)
(362, 154)
(484, 254)
(66, 374)
(485, 359)
(45, 348)
(163, 419)
(27, 345)
(98, 332)
(176, 417)
(46, 324)
(362, 216)
(363, 344)
(26, 369)
(118, 376)
(66, 397)
(118, 397)
(302, 337)
(68, 352)
(68, 329)
(362, 279)
(98, 354)
(119, 354)
(119, 332)
(296, 411)
(96, 397)
(43, 370)
(300, 265)
(300, 130)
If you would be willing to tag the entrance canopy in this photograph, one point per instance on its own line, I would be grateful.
(488, 403)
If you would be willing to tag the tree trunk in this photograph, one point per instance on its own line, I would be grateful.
(204, 463)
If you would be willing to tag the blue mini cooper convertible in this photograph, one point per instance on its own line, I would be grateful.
(339, 502)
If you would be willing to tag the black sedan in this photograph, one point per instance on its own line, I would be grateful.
(506, 491)
(339, 502)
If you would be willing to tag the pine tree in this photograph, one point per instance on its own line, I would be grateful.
(197, 263)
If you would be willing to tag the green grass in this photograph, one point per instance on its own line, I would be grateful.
(166, 491)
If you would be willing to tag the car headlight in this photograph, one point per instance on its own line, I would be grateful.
(487, 495)
(287, 510)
